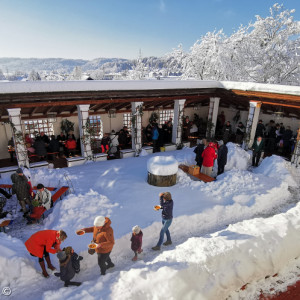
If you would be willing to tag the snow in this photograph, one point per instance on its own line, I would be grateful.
(114, 85)
(162, 165)
(236, 230)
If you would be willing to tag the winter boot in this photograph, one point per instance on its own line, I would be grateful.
(156, 248)
(50, 266)
(168, 243)
(135, 258)
(42, 264)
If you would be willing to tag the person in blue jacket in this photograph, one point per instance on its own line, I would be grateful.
(166, 204)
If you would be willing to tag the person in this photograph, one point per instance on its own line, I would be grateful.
(271, 137)
(67, 270)
(54, 144)
(75, 258)
(124, 138)
(166, 204)
(222, 157)
(21, 188)
(257, 148)
(11, 148)
(199, 150)
(61, 139)
(41, 201)
(227, 132)
(43, 242)
(186, 127)
(287, 137)
(70, 146)
(209, 155)
(260, 129)
(40, 148)
(155, 135)
(239, 134)
(105, 142)
(136, 241)
(167, 132)
(44, 138)
(103, 236)
(148, 132)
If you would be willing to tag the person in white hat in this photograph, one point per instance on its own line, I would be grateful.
(136, 241)
(103, 236)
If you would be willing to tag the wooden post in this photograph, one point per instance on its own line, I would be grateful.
(158, 180)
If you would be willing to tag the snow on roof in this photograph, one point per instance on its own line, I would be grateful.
(261, 87)
(123, 85)
(102, 85)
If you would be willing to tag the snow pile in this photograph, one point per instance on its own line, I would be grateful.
(162, 165)
(276, 167)
(237, 157)
(211, 267)
(15, 267)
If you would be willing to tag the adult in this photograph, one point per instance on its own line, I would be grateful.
(227, 132)
(155, 136)
(166, 204)
(148, 132)
(260, 129)
(41, 201)
(222, 157)
(105, 143)
(124, 137)
(271, 137)
(54, 145)
(186, 127)
(287, 137)
(40, 148)
(239, 134)
(5, 193)
(167, 132)
(257, 148)
(11, 148)
(209, 155)
(70, 146)
(61, 139)
(44, 137)
(199, 150)
(43, 242)
(21, 188)
(103, 236)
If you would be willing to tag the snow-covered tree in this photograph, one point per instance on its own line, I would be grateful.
(76, 74)
(34, 76)
(2, 77)
(174, 60)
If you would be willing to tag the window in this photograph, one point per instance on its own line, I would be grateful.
(96, 123)
(35, 127)
(127, 121)
(165, 115)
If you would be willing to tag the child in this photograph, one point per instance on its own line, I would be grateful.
(136, 241)
(67, 271)
(75, 258)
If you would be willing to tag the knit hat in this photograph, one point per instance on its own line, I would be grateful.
(19, 171)
(136, 229)
(61, 255)
(167, 196)
(99, 221)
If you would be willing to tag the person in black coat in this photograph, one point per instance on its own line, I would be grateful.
(54, 144)
(40, 148)
(257, 147)
(287, 136)
(260, 129)
(198, 150)
(67, 271)
(166, 204)
(227, 132)
(222, 157)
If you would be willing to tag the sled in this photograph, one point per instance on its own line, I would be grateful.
(5, 224)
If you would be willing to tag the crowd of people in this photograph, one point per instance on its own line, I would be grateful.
(44, 242)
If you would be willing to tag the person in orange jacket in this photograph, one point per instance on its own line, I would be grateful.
(103, 236)
(43, 242)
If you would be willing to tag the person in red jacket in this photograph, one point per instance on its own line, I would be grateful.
(70, 146)
(103, 236)
(43, 242)
(209, 155)
(136, 241)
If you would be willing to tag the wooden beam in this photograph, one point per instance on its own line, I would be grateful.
(283, 97)
(279, 104)
(33, 110)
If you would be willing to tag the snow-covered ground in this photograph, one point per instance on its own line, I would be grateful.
(234, 231)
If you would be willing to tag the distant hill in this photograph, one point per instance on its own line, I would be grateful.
(26, 65)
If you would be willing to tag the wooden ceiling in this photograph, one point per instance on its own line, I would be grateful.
(64, 104)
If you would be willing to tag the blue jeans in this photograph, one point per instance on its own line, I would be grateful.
(165, 230)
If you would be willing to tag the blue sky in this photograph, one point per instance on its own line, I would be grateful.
(89, 29)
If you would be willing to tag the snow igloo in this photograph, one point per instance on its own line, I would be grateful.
(162, 170)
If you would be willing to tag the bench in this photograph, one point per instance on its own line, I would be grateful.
(39, 164)
(8, 170)
(75, 161)
(125, 153)
(100, 156)
(186, 144)
(39, 212)
(148, 149)
(170, 147)
(51, 155)
(199, 176)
